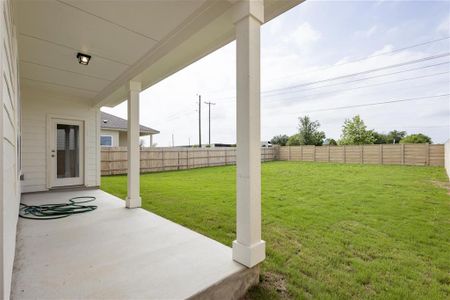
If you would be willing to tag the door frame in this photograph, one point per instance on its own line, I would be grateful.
(51, 134)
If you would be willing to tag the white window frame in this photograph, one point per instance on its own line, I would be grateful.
(106, 135)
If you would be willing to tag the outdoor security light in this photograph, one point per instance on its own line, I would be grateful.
(83, 59)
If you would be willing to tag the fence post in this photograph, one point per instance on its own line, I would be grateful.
(344, 154)
(362, 153)
(380, 153)
(427, 149)
(329, 158)
(207, 156)
(162, 160)
(289, 155)
(314, 152)
(178, 155)
(301, 153)
(402, 147)
(110, 162)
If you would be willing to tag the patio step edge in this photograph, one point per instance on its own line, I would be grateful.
(233, 287)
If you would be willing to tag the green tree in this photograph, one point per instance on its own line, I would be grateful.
(380, 138)
(309, 133)
(394, 136)
(354, 132)
(331, 142)
(417, 138)
(294, 140)
(281, 140)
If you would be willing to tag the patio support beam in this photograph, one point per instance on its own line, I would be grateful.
(133, 198)
(248, 248)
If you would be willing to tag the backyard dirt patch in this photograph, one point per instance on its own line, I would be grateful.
(270, 283)
(275, 281)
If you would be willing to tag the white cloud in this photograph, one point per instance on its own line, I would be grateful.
(304, 35)
(444, 26)
(368, 32)
(385, 49)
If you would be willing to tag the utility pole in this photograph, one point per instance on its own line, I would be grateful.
(209, 119)
(200, 121)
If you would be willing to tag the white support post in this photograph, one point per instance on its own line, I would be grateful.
(133, 199)
(248, 248)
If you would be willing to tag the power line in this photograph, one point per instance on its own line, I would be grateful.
(371, 56)
(415, 127)
(352, 88)
(376, 103)
(176, 115)
(359, 59)
(285, 90)
(363, 86)
(363, 72)
(368, 78)
(279, 90)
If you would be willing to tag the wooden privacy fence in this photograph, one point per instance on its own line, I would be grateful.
(114, 159)
(399, 154)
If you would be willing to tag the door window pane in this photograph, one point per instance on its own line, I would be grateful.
(67, 151)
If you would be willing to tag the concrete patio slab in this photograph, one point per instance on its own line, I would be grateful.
(117, 253)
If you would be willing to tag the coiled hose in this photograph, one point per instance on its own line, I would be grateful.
(57, 210)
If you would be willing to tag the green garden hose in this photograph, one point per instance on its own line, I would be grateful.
(56, 210)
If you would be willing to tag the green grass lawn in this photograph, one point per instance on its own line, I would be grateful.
(332, 230)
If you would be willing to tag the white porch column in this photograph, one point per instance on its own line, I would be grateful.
(248, 248)
(133, 199)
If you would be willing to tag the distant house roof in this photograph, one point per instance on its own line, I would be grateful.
(112, 122)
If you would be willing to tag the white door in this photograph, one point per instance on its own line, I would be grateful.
(66, 152)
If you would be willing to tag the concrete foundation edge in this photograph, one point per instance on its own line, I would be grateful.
(232, 287)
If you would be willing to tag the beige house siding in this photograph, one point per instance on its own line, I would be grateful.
(123, 139)
(38, 105)
(10, 122)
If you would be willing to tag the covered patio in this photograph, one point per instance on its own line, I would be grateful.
(74, 57)
(117, 253)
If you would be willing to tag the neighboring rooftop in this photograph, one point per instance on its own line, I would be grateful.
(115, 123)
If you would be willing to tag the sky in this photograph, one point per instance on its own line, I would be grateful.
(302, 53)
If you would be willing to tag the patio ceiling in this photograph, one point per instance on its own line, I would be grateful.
(128, 40)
